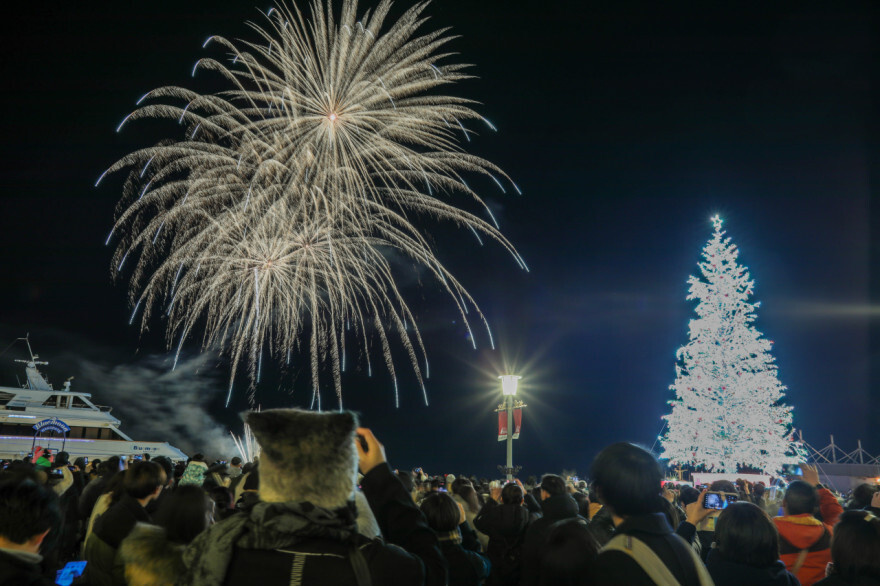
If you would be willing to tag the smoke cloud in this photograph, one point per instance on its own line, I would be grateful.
(156, 403)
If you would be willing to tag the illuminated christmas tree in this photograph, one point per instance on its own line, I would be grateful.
(728, 410)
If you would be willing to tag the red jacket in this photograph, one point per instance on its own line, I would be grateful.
(805, 532)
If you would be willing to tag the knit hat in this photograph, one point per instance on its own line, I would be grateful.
(450, 478)
(308, 456)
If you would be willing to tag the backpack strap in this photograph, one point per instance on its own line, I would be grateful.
(653, 566)
(644, 556)
(799, 562)
(359, 565)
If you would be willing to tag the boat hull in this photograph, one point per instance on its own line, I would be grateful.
(18, 447)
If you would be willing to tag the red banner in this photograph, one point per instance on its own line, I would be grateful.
(517, 422)
(502, 426)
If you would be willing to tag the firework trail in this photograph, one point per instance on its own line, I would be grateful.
(268, 225)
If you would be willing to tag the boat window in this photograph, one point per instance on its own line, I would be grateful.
(5, 397)
(79, 403)
(51, 401)
(92, 432)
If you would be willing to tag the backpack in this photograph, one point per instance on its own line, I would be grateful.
(509, 565)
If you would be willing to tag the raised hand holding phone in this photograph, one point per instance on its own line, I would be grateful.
(371, 452)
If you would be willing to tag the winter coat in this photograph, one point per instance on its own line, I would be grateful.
(616, 567)
(101, 551)
(21, 569)
(726, 573)
(466, 568)
(506, 527)
(556, 508)
(282, 541)
(194, 474)
(805, 532)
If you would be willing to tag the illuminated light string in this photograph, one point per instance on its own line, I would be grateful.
(325, 231)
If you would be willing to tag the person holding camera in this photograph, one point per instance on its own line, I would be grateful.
(805, 541)
(746, 549)
(644, 550)
(304, 528)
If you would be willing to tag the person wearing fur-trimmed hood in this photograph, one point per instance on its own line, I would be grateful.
(304, 530)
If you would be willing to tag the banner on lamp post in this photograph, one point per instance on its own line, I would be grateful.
(517, 422)
(502, 426)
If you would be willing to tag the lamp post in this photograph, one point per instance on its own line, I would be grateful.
(509, 383)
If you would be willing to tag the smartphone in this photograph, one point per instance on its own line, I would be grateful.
(718, 500)
(66, 575)
(86, 460)
(138, 457)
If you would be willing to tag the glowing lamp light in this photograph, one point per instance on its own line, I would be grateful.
(509, 382)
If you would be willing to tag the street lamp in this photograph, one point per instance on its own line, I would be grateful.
(509, 383)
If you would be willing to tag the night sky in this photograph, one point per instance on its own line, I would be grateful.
(626, 124)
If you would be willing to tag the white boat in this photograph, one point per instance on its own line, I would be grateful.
(37, 415)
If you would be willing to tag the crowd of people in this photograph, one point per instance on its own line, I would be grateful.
(323, 506)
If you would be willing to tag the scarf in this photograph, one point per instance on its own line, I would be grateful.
(267, 526)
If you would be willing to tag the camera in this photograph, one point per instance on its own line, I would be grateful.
(719, 500)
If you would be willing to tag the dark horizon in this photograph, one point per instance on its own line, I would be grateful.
(626, 126)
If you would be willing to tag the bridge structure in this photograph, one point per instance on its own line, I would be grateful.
(843, 470)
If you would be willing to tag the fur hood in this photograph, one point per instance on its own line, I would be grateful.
(309, 456)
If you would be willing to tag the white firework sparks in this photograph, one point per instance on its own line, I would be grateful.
(269, 224)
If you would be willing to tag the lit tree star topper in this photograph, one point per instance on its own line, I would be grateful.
(728, 411)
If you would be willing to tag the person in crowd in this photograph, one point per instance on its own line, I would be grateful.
(167, 467)
(235, 467)
(465, 495)
(568, 555)
(142, 483)
(855, 551)
(644, 549)
(28, 512)
(595, 505)
(153, 554)
(504, 518)
(222, 499)
(583, 502)
(250, 491)
(706, 528)
(98, 485)
(45, 459)
(805, 541)
(217, 475)
(195, 471)
(105, 501)
(304, 526)
(446, 517)
(62, 483)
(80, 476)
(747, 549)
(861, 496)
(557, 504)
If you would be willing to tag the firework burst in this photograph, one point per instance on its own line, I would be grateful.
(269, 224)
